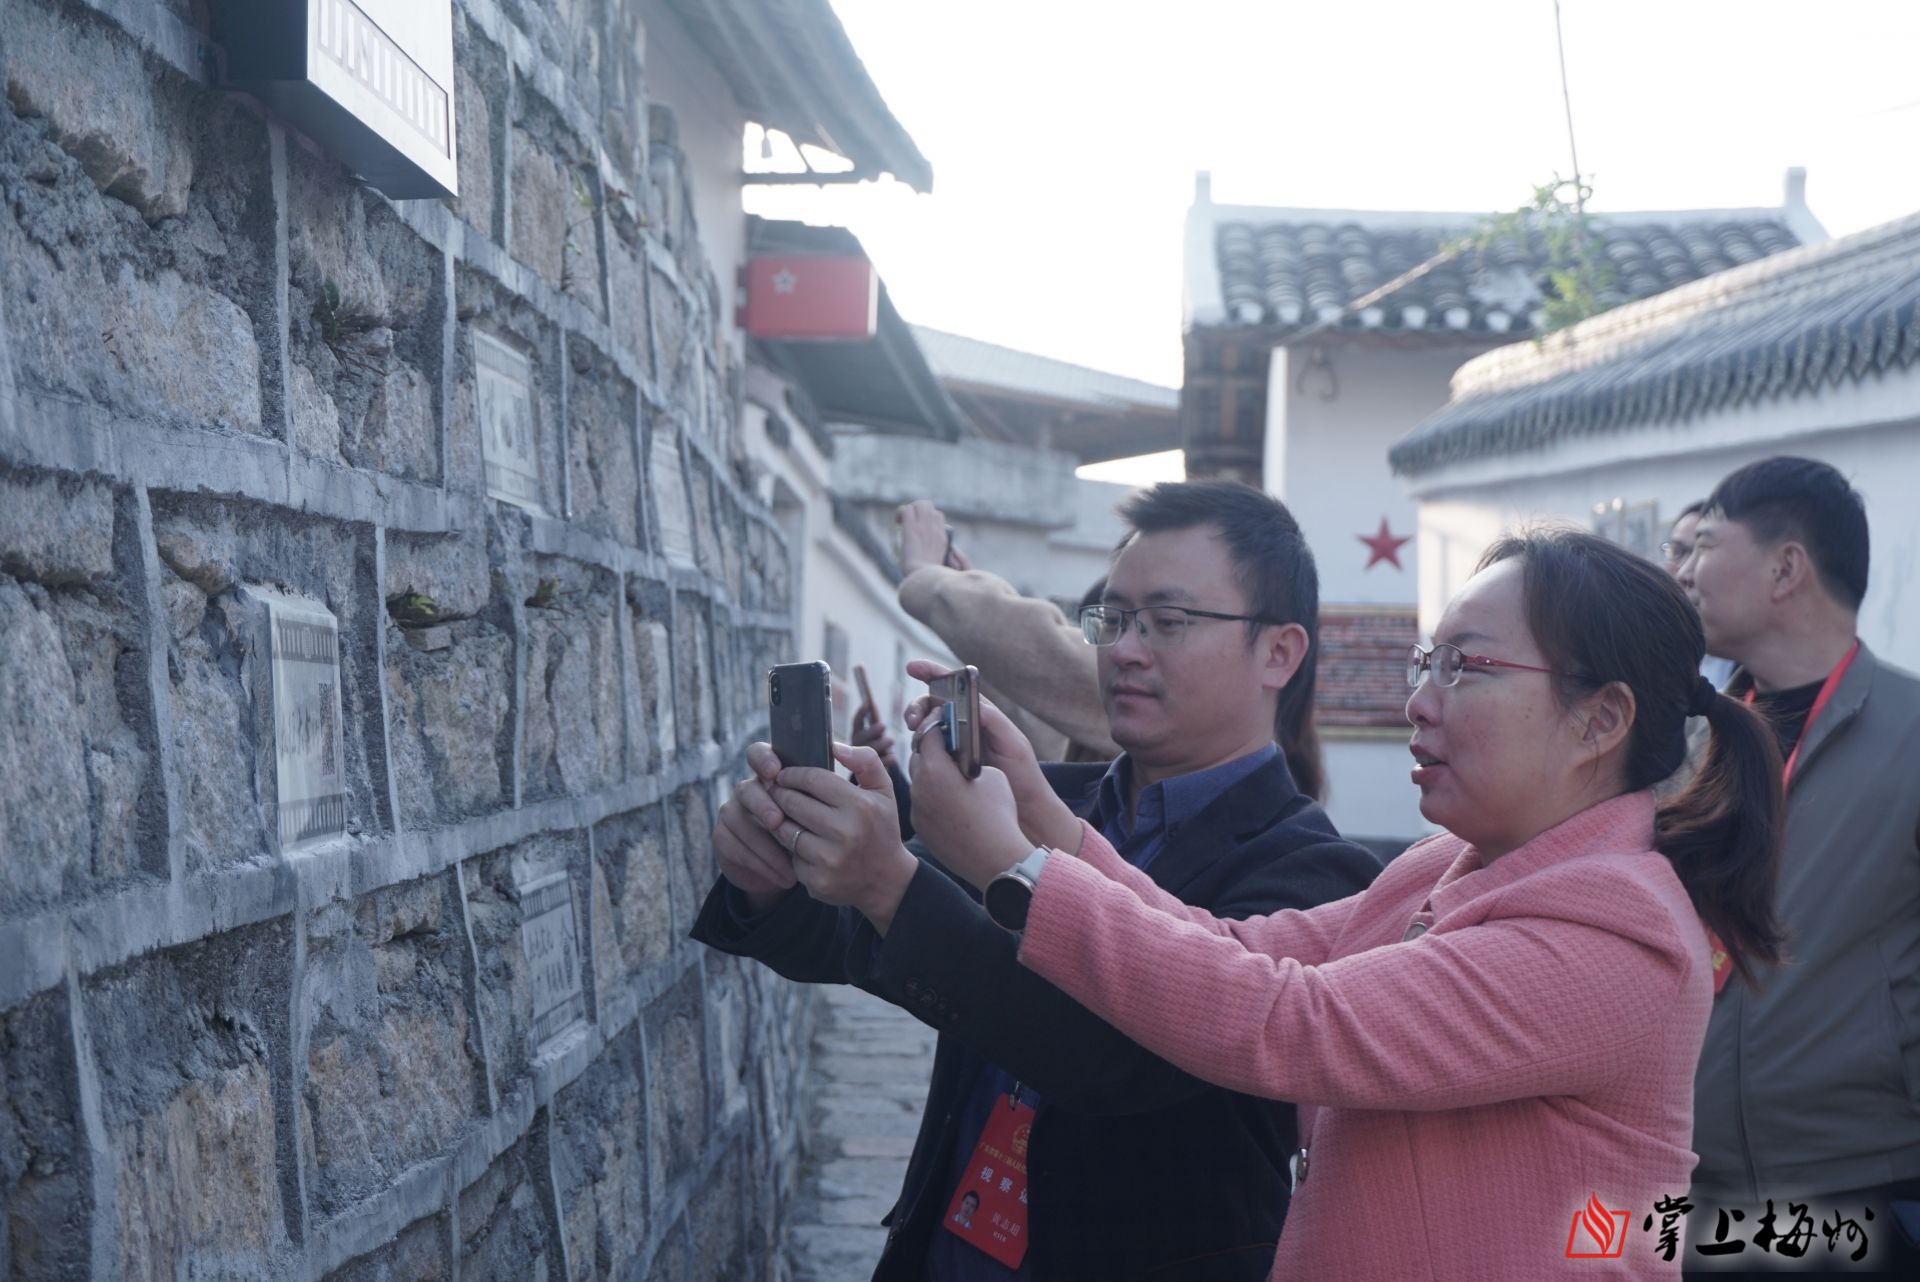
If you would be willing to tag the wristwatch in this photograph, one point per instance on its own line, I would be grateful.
(1009, 895)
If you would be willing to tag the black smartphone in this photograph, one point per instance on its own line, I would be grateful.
(959, 696)
(800, 710)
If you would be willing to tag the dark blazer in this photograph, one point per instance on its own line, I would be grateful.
(1135, 1169)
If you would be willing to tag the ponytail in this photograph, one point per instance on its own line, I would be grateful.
(1723, 831)
(1294, 728)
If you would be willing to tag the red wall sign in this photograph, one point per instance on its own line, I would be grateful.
(812, 298)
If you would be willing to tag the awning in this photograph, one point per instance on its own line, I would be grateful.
(790, 64)
(885, 382)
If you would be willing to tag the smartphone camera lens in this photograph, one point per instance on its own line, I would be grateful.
(775, 689)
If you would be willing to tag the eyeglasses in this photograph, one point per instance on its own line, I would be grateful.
(1161, 627)
(1675, 553)
(1447, 662)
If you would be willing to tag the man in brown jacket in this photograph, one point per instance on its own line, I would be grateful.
(1031, 657)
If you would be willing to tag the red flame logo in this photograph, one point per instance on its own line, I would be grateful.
(1605, 1232)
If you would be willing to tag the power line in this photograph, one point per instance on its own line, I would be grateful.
(1566, 99)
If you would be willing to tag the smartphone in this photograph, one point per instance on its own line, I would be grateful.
(959, 714)
(867, 705)
(800, 710)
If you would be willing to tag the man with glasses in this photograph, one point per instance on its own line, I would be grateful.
(1133, 1169)
(1675, 551)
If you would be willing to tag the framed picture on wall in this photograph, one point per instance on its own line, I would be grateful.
(1640, 529)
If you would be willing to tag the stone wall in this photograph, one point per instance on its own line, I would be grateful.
(229, 373)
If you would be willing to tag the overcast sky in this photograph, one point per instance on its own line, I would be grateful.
(1064, 134)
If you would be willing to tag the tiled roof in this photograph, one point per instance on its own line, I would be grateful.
(1844, 311)
(1290, 269)
(790, 64)
(1362, 679)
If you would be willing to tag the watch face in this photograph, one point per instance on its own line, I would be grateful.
(1007, 900)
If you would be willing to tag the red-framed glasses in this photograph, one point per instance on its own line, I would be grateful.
(1447, 662)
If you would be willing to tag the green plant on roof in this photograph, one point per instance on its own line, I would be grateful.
(1576, 275)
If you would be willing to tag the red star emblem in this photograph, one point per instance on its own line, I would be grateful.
(1384, 546)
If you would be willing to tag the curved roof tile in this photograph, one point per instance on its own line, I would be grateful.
(1815, 317)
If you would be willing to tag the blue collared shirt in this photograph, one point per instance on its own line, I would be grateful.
(1162, 809)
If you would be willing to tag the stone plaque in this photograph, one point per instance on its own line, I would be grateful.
(509, 432)
(670, 497)
(372, 80)
(551, 943)
(309, 778)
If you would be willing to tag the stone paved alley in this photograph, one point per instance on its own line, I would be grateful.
(870, 1062)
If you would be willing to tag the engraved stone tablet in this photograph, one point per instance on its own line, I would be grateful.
(670, 497)
(309, 778)
(509, 433)
(552, 948)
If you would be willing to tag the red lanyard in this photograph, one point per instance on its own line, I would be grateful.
(1827, 688)
(1718, 957)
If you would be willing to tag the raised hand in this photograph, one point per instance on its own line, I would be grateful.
(971, 825)
(870, 732)
(924, 539)
(744, 845)
(844, 834)
(1044, 818)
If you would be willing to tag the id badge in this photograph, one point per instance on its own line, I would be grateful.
(989, 1209)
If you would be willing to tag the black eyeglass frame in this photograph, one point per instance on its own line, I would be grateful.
(1127, 617)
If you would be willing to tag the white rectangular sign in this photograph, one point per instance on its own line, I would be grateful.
(670, 497)
(509, 432)
(550, 940)
(309, 777)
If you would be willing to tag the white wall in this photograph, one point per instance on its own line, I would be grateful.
(712, 129)
(1015, 510)
(1329, 426)
(1031, 560)
(1463, 509)
(1326, 459)
(1371, 795)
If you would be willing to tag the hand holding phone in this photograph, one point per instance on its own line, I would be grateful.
(868, 728)
(958, 697)
(869, 731)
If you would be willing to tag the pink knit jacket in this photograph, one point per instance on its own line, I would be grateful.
(1463, 1094)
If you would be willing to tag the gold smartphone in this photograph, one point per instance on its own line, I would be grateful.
(868, 707)
(959, 696)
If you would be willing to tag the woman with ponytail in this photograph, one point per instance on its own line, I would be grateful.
(1494, 1045)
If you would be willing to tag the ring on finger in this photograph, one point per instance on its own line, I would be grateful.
(793, 839)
